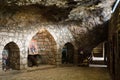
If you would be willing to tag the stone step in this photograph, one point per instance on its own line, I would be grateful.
(97, 65)
(97, 62)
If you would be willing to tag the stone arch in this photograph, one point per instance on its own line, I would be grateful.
(12, 52)
(68, 53)
(44, 44)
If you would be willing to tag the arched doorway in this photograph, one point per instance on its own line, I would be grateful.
(99, 57)
(68, 53)
(12, 53)
(98, 52)
(42, 49)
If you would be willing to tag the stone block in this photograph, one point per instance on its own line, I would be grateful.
(23, 61)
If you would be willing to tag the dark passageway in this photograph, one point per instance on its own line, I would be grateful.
(12, 53)
(68, 54)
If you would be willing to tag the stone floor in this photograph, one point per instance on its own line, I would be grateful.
(59, 73)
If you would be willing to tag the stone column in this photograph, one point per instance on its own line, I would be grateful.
(58, 57)
(23, 63)
(0, 57)
(23, 60)
(75, 56)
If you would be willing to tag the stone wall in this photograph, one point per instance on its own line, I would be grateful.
(20, 27)
(19, 24)
(0, 60)
(46, 47)
(114, 44)
(8, 36)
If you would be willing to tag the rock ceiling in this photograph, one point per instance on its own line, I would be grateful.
(80, 10)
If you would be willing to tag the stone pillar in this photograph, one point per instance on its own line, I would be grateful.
(58, 57)
(23, 60)
(23, 63)
(0, 58)
(75, 56)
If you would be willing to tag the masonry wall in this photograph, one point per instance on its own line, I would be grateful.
(114, 44)
(10, 35)
(20, 27)
(47, 47)
(20, 24)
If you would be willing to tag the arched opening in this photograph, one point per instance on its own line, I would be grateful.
(98, 52)
(99, 56)
(42, 49)
(12, 55)
(68, 53)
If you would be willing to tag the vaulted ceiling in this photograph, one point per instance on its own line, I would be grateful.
(79, 10)
(88, 14)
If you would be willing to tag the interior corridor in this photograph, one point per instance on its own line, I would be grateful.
(59, 39)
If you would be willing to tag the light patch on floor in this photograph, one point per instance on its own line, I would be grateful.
(97, 58)
(97, 65)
